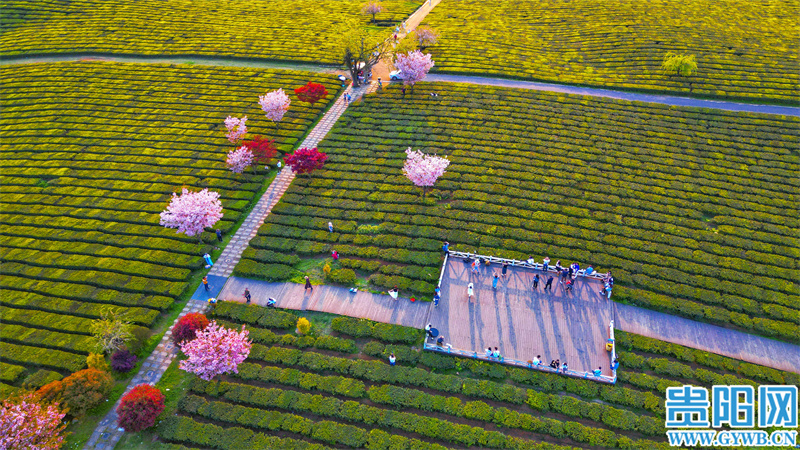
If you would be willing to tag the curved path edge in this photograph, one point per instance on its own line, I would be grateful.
(434, 78)
(710, 338)
(619, 95)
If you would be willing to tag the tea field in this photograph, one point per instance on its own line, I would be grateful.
(694, 211)
(337, 389)
(91, 153)
(743, 49)
(297, 30)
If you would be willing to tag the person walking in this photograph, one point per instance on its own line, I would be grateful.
(505, 269)
(446, 247)
(330, 227)
(392, 359)
(475, 266)
(470, 292)
(308, 285)
(205, 284)
(546, 264)
(495, 278)
(219, 234)
(403, 90)
(380, 84)
(536, 281)
(548, 286)
(247, 294)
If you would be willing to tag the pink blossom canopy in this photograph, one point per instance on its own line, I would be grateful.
(26, 424)
(423, 170)
(191, 212)
(236, 128)
(414, 66)
(275, 104)
(215, 350)
(239, 159)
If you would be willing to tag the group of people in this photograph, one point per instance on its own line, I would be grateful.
(554, 364)
(493, 354)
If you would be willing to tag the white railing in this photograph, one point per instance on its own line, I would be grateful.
(441, 275)
(448, 349)
(514, 262)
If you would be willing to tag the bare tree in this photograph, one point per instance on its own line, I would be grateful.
(360, 49)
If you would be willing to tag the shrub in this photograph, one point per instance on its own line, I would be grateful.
(342, 276)
(683, 65)
(111, 332)
(303, 325)
(80, 392)
(140, 407)
(187, 327)
(97, 361)
(123, 361)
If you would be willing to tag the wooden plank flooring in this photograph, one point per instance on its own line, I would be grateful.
(522, 322)
(331, 299)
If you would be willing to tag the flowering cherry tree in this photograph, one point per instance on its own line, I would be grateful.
(372, 8)
(274, 104)
(306, 160)
(414, 66)
(426, 36)
(215, 350)
(423, 170)
(26, 424)
(263, 148)
(191, 212)
(311, 92)
(236, 128)
(239, 159)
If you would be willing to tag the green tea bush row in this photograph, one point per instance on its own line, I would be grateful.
(338, 385)
(48, 339)
(42, 357)
(324, 342)
(256, 315)
(382, 331)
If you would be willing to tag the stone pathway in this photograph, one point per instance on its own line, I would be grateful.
(107, 433)
(711, 338)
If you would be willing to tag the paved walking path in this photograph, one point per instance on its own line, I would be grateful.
(330, 299)
(107, 433)
(710, 338)
(620, 95)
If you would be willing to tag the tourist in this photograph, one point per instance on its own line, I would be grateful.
(495, 278)
(308, 285)
(568, 286)
(558, 363)
(392, 359)
(394, 292)
(438, 290)
(570, 271)
(475, 266)
(564, 367)
(531, 261)
(536, 281)
(428, 328)
(209, 263)
(440, 341)
(545, 264)
(470, 293)
(436, 299)
(548, 286)
(403, 90)
(553, 364)
(330, 227)
(247, 294)
(505, 269)
(205, 284)
(496, 353)
(270, 302)
(335, 255)
(564, 274)
(489, 352)
(597, 372)
(589, 271)
(380, 83)
(446, 247)
(615, 363)
(558, 266)
(219, 235)
(537, 360)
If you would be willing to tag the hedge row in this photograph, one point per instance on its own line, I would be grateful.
(324, 342)
(256, 315)
(48, 339)
(42, 357)
(382, 331)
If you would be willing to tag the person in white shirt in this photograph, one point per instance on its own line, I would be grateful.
(392, 359)
(537, 360)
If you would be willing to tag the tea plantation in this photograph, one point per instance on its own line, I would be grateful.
(694, 211)
(338, 390)
(297, 30)
(743, 49)
(91, 153)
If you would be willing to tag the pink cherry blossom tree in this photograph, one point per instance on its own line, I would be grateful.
(413, 66)
(274, 104)
(26, 424)
(191, 212)
(423, 170)
(372, 8)
(236, 128)
(215, 350)
(239, 159)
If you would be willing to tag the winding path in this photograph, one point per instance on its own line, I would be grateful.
(382, 71)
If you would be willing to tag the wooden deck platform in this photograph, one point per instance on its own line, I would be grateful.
(331, 299)
(522, 322)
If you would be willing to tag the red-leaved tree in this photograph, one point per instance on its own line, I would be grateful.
(263, 149)
(139, 408)
(80, 392)
(187, 327)
(27, 424)
(306, 160)
(311, 92)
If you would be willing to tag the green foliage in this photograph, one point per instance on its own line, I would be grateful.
(303, 325)
(381, 331)
(97, 361)
(342, 276)
(675, 64)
